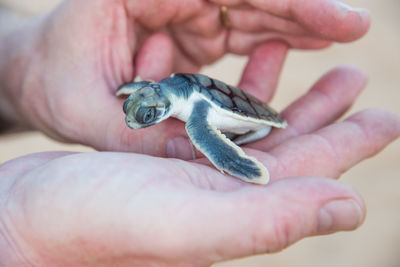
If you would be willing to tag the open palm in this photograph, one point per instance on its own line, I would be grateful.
(124, 209)
(73, 59)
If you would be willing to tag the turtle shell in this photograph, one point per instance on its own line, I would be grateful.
(235, 100)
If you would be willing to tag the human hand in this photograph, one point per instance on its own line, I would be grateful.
(129, 209)
(68, 64)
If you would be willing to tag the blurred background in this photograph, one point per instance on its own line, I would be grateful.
(377, 242)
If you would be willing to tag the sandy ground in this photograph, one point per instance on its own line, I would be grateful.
(377, 242)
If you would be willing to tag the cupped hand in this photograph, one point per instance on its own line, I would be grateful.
(125, 209)
(74, 58)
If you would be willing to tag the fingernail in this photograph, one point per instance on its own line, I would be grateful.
(179, 147)
(364, 13)
(339, 215)
(346, 8)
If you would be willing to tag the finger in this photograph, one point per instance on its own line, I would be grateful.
(198, 49)
(258, 220)
(333, 150)
(327, 100)
(336, 148)
(155, 59)
(205, 23)
(332, 20)
(183, 63)
(328, 19)
(151, 141)
(253, 20)
(261, 74)
(243, 43)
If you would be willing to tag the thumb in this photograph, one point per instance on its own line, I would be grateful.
(267, 219)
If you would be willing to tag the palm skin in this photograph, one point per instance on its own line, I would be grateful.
(126, 209)
(68, 64)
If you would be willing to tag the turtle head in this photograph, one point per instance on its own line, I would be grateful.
(146, 106)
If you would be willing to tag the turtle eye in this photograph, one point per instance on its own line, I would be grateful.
(146, 114)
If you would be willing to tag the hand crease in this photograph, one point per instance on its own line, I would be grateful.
(365, 135)
(330, 146)
(325, 95)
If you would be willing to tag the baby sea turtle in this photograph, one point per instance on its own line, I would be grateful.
(218, 117)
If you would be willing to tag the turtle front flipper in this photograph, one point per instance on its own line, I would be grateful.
(222, 152)
(129, 88)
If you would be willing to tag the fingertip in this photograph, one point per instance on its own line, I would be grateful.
(179, 147)
(362, 18)
(339, 215)
(335, 206)
(354, 25)
(382, 126)
(346, 76)
(356, 74)
(333, 20)
(352, 68)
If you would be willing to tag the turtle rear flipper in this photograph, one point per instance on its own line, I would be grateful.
(221, 151)
(250, 136)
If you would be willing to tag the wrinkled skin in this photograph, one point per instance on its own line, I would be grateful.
(86, 49)
(126, 209)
